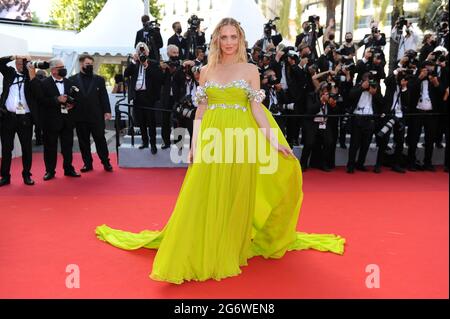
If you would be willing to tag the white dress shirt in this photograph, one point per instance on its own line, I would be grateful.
(364, 104)
(17, 95)
(59, 85)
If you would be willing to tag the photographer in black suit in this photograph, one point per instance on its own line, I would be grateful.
(269, 38)
(173, 80)
(18, 109)
(91, 111)
(57, 102)
(395, 106)
(150, 34)
(144, 90)
(178, 39)
(318, 129)
(365, 100)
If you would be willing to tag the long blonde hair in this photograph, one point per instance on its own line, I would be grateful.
(215, 53)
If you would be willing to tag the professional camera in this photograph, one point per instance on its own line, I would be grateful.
(313, 19)
(194, 22)
(185, 108)
(375, 30)
(42, 65)
(151, 26)
(269, 26)
(388, 127)
(337, 97)
(72, 96)
(402, 22)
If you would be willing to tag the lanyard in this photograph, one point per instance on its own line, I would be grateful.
(20, 82)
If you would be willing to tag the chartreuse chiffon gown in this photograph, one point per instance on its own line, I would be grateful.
(228, 211)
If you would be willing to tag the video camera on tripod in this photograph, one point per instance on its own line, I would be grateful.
(194, 22)
(151, 26)
(269, 26)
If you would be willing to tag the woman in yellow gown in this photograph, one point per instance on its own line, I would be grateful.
(242, 192)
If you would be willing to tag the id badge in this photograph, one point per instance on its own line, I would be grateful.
(64, 110)
(20, 109)
(322, 126)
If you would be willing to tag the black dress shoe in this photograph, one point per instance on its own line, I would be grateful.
(361, 168)
(154, 150)
(429, 168)
(165, 146)
(377, 169)
(351, 170)
(28, 181)
(86, 169)
(5, 181)
(398, 169)
(343, 146)
(326, 169)
(108, 167)
(49, 176)
(446, 169)
(72, 174)
(143, 146)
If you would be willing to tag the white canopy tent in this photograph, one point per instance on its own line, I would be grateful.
(110, 37)
(247, 13)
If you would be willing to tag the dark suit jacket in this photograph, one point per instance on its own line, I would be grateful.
(92, 103)
(152, 79)
(158, 43)
(377, 100)
(31, 88)
(436, 93)
(176, 81)
(180, 44)
(52, 119)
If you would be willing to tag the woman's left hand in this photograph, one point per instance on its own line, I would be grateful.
(286, 151)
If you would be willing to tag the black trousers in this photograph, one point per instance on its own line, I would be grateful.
(166, 128)
(323, 138)
(23, 126)
(446, 131)
(362, 129)
(145, 118)
(84, 132)
(429, 124)
(399, 139)
(65, 135)
(188, 124)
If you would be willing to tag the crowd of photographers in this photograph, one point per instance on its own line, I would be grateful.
(318, 98)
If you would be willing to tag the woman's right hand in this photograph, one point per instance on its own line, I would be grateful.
(191, 156)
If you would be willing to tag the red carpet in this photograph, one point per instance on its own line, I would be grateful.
(398, 222)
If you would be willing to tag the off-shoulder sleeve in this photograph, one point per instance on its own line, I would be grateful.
(200, 95)
(257, 96)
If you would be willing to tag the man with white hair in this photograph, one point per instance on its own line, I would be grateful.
(18, 109)
(57, 119)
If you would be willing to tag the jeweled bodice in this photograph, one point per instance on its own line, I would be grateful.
(237, 95)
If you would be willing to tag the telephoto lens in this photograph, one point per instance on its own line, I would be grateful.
(386, 128)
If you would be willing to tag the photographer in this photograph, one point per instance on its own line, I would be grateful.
(178, 39)
(395, 107)
(173, 79)
(187, 105)
(366, 100)
(18, 110)
(426, 90)
(269, 37)
(275, 96)
(329, 59)
(443, 29)
(194, 37)
(372, 62)
(407, 41)
(299, 83)
(428, 45)
(375, 39)
(57, 102)
(150, 34)
(317, 129)
(144, 90)
(312, 30)
(92, 109)
(348, 49)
